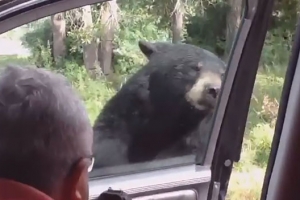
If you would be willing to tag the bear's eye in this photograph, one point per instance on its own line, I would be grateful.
(196, 68)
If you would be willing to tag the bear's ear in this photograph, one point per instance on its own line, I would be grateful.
(147, 48)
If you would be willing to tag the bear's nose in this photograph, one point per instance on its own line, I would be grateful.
(214, 91)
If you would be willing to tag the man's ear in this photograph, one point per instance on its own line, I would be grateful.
(77, 183)
(147, 48)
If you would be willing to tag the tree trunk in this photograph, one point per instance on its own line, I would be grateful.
(177, 24)
(233, 23)
(59, 36)
(109, 22)
(90, 50)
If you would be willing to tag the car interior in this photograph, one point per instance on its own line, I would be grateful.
(205, 173)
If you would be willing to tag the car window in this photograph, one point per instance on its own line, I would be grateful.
(150, 73)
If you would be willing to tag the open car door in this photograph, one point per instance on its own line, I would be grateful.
(231, 116)
(179, 178)
(282, 175)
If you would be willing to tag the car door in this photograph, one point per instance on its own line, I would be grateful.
(205, 174)
(232, 126)
(282, 173)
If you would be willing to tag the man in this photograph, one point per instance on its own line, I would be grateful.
(45, 137)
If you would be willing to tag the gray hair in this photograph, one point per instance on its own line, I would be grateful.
(44, 127)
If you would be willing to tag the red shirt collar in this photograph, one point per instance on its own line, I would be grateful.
(12, 190)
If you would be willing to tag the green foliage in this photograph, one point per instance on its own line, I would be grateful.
(39, 40)
(285, 15)
(95, 93)
(17, 60)
(208, 28)
(277, 49)
(261, 137)
(39, 34)
(134, 26)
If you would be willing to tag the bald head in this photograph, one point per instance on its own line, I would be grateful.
(44, 127)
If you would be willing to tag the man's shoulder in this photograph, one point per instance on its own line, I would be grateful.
(13, 190)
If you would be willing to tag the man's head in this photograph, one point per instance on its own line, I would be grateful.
(45, 133)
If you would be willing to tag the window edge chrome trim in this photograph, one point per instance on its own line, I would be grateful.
(122, 170)
(20, 6)
(42, 11)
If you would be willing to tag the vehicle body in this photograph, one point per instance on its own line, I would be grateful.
(207, 177)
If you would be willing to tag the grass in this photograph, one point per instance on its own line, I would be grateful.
(13, 59)
(246, 185)
(95, 93)
(248, 174)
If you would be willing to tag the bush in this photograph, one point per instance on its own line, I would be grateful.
(95, 93)
(208, 29)
(39, 41)
(276, 52)
(134, 27)
(17, 60)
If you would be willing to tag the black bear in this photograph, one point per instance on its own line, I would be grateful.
(158, 106)
(194, 142)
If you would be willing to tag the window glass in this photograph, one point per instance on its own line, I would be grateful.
(150, 73)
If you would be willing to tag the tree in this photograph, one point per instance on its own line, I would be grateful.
(109, 22)
(59, 35)
(233, 23)
(90, 48)
(177, 21)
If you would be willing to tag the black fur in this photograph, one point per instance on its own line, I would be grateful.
(150, 113)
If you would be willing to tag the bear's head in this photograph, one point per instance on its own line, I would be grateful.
(185, 71)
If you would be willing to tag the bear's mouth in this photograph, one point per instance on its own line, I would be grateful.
(206, 104)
